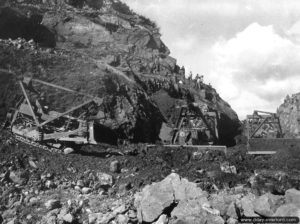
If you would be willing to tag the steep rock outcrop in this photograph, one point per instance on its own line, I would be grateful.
(289, 114)
(105, 49)
(14, 24)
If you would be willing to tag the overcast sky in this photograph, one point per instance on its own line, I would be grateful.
(249, 50)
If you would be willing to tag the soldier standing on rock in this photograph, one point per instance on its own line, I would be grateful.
(183, 70)
(174, 81)
(156, 64)
(190, 78)
(196, 80)
(199, 81)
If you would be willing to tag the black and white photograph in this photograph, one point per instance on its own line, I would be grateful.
(149, 112)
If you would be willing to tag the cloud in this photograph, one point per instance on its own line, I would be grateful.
(247, 49)
(256, 69)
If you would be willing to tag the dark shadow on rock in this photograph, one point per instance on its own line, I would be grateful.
(104, 134)
(228, 129)
(147, 130)
(14, 24)
(95, 153)
(43, 36)
(5, 84)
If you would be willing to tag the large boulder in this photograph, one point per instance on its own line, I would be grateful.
(231, 211)
(246, 205)
(177, 197)
(292, 196)
(218, 202)
(190, 208)
(225, 203)
(153, 199)
(288, 210)
(77, 30)
(267, 204)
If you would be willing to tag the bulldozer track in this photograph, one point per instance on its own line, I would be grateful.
(29, 142)
(37, 145)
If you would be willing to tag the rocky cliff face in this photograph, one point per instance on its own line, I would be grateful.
(289, 114)
(104, 49)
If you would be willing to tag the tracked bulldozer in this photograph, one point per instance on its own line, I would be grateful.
(197, 127)
(264, 133)
(33, 122)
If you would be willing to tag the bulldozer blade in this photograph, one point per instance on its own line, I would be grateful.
(270, 146)
(197, 147)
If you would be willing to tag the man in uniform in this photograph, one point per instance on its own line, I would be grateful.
(183, 71)
(196, 80)
(190, 78)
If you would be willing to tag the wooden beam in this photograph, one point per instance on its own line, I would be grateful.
(27, 99)
(64, 113)
(264, 112)
(258, 116)
(259, 126)
(177, 132)
(187, 129)
(261, 152)
(280, 129)
(212, 130)
(64, 88)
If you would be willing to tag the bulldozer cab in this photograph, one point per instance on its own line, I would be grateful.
(196, 126)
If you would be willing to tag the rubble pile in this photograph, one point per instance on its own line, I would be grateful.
(175, 200)
(100, 185)
(32, 192)
(20, 43)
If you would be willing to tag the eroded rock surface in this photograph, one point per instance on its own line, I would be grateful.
(174, 195)
(105, 49)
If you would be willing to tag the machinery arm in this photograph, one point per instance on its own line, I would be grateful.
(28, 101)
(96, 99)
(64, 113)
(259, 126)
(28, 81)
(213, 132)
